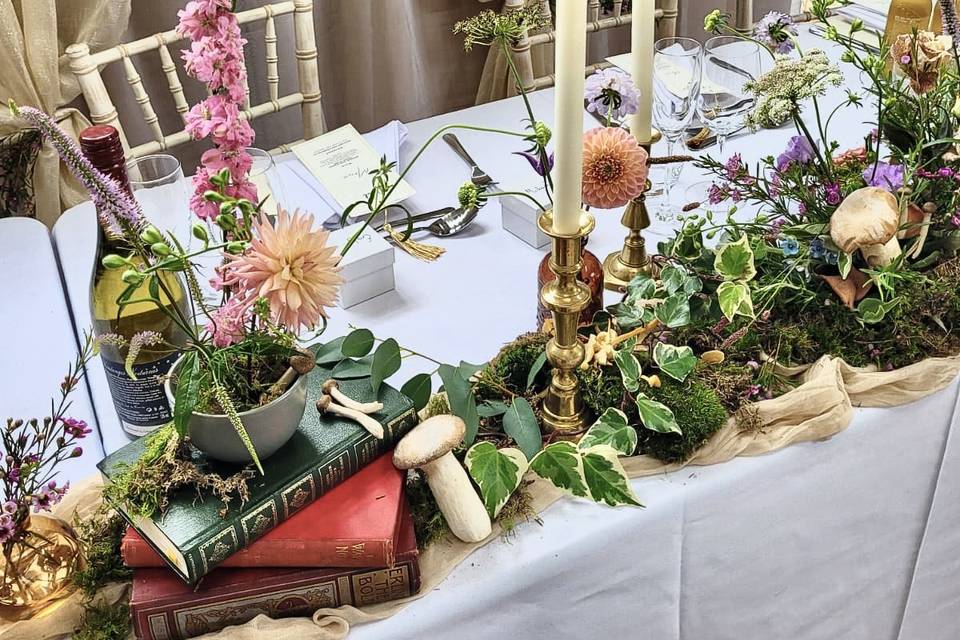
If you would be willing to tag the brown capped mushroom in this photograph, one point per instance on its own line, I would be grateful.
(332, 388)
(325, 404)
(867, 220)
(428, 447)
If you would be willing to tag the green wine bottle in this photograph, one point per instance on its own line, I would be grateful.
(140, 401)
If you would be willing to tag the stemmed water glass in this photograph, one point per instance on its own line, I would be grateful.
(676, 88)
(729, 63)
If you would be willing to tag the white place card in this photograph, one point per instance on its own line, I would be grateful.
(341, 160)
(367, 269)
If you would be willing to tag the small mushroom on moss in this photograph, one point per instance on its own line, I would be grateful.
(429, 447)
(867, 220)
(713, 356)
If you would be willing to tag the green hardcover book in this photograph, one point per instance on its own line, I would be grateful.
(192, 536)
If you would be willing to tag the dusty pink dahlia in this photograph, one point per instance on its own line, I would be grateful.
(290, 264)
(614, 168)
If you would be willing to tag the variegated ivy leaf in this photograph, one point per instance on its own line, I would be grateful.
(734, 260)
(629, 369)
(674, 311)
(560, 464)
(656, 416)
(675, 278)
(612, 429)
(497, 472)
(734, 299)
(844, 264)
(605, 477)
(676, 362)
(642, 287)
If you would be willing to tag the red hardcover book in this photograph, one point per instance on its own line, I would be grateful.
(353, 525)
(165, 608)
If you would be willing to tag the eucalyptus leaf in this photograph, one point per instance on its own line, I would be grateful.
(734, 260)
(656, 416)
(492, 408)
(331, 352)
(418, 390)
(560, 464)
(188, 388)
(463, 403)
(676, 362)
(350, 368)
(734, 299)
(605, 477)
(629, 368)
(536, 368)
(386, 362)
(613, 429)
(357, 343)
(497, 472)
(674, 311)
(520, 423)
(467, 370)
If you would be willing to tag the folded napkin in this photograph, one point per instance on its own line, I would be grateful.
(299, 189)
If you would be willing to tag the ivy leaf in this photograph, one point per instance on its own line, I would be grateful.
(350, 368)
(872, 310)
(656, 416)
(188, 388)
(418, 390)
(536, 368)
(734, 299)
(492, 408)
(497, 472)
(676, 362)
(642, 287)
(331, 352)
(520, 423)
(560, 464)
(734, 260)
(628, 316)
(845, 264)
(629, 369)
(611, 429)
(675, 311)
(386, 362)
(463, 403)
(605, 477)
(357, 343)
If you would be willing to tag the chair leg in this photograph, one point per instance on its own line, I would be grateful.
(744, 15)
(312, 110)
(667, 25)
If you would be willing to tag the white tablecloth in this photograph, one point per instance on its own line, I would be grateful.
(854, 538)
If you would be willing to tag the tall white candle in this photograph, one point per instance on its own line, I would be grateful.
(641, 64)
(571, 53)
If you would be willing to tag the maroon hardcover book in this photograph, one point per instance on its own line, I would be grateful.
(165, 608)
(368, 521)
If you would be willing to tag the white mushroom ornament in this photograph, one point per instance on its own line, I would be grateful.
(429, 447)
(868, 220)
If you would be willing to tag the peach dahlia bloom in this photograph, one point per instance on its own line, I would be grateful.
(290, 264)
(614, 167)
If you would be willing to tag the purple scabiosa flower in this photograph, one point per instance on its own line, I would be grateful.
(76, 428)
(884, 175)
(611, 91)
(832, 194)
(776, 30)
(798, 150)
(120, 214)
(535, 163)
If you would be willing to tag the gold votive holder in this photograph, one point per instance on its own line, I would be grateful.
(620, 267)
(565, 297)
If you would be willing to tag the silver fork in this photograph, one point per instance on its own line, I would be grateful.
(479, 176)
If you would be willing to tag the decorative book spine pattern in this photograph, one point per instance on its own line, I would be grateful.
(181, 620)
(203, 556)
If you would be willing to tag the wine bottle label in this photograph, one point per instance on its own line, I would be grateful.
(141, 404)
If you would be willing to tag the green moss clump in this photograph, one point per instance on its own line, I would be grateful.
(428, 523)
(104, 622)
(517, 510)
(511, 367)
(699, 414)
(601, 388)
(100, 537)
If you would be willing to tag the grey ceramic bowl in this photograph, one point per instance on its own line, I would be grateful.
(269, 427)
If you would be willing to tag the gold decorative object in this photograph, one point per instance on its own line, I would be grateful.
(419, 250)
(38, 568)
(565, 297)
(620, 267)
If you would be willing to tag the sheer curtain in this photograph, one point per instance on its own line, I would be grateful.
(33, 72)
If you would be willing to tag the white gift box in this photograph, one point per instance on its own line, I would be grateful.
(519, 217)
(367, 269)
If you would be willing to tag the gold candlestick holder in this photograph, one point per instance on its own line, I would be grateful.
(620, 267)
(565, 297)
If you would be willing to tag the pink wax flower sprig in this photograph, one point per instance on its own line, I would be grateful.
(216, 58)
(35, 448)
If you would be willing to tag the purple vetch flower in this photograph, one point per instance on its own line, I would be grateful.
(798, 150)
(535, 163)
(884, 175)
(119, 212)
(612, 91)
(776, 30)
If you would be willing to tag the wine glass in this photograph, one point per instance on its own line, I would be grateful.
(676, 89)
(266, 177)
(158, 185)
(729, 63)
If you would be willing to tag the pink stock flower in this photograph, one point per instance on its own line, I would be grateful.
(206, 210)
(228, 324)
(614, 167)
(238, 162)
(199, 17)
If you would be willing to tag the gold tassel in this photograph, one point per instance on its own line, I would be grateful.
(419, 250)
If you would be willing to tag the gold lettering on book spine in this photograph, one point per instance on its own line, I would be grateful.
(353, 551)
(381, 586)
(298, 494)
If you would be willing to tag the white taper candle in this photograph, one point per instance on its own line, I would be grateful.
(571, 53)
(641, 64)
